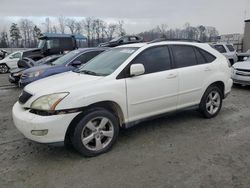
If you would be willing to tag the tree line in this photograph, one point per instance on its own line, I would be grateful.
(25, 33)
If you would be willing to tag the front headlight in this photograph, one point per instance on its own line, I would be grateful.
(18, 74)
(48, 102)
(34, 74)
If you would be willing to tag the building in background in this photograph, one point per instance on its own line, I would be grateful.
(246, 39)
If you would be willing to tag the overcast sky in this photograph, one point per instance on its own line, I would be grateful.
(226, 15)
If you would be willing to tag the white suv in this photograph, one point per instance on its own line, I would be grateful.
(227, 50)
(119, 88)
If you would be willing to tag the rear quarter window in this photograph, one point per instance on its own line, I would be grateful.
(230, 48)
(220, 48)
(204, 56)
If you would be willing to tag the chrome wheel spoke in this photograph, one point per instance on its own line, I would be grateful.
(217, 103)
(88, 139)
(208, 104)
(216, 95)
(107, 133)
(103, 122)
(91, 126)
(98, 143)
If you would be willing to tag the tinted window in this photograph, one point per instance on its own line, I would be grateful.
(230, 48)
(84, 58)
(220, 48)
(200, 58)
(209, 57)
(16, 55)
(154, 59)
(184, 56)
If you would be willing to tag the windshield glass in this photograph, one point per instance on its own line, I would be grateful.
(41, 44)
(66, 58)
(115, 39)
(107, 62)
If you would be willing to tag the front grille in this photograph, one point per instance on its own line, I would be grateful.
(24, 97)
(242, 73)
(244, 70)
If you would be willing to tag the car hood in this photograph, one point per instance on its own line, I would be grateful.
(5, 60)
(64, 82)
(38, 68)
(242, 65)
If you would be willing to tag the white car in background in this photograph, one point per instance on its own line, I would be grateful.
(10, 61)
(119, 88)
(227, 50)
(241, 72)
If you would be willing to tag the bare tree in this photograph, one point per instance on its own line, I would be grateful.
(111, 30)
(26, 27)
(71, 24)
(62, 24)
(87, 27)
(48, 25)
(120, 30)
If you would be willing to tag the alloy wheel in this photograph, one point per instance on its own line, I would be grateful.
(213, 102)
(97, 134)
(3, 69)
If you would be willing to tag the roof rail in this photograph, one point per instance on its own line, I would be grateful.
(175, 39)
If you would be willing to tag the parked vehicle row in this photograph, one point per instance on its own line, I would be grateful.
(241, 72)
(119, 88)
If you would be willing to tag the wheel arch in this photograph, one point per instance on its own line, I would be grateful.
(111, 106)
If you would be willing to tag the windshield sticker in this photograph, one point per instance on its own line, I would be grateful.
(127, 51)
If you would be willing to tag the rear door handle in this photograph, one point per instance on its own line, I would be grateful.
(171, 75)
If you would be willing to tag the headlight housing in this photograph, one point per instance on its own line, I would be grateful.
(34, 74)
(48, 102)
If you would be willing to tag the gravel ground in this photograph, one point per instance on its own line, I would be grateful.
(180, 150)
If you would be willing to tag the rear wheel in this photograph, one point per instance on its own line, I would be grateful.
(95, 133)
(211, 102)
(4, 68)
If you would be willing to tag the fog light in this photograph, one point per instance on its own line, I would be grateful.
(39, 132)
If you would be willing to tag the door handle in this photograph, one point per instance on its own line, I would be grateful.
(170, 76)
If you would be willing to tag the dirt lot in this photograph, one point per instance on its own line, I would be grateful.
(181, 150)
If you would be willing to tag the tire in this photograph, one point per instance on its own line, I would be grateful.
(99, 129)
(211, 102)
(4, 68)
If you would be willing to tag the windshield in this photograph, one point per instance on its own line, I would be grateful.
(66, 58)
(115, 39)
(41, 44)
(107, 62)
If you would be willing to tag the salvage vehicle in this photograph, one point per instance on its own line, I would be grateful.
(120, 88)
(49, 44)
(10, 61)
(241, 73)
(128, 39)
(227, 50)
(25, 63)
(68, 62)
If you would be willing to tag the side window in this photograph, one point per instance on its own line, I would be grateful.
(154, 59)
(200, 58)
(132, 39)
(16, 55)
(209, 57)
(184, 56)
(220, 48)
(230, 47)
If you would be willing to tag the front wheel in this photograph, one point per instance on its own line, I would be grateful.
(211, 102)
(3, 68)
(95, 133)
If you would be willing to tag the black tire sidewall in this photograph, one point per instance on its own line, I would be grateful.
(202, 106)
(76, 136)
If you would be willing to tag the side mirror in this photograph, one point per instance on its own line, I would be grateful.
(76, 63)
(137, 69)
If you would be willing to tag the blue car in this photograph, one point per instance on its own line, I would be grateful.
(68, 62)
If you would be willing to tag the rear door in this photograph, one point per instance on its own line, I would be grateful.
(155, 91)
(193, 70)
